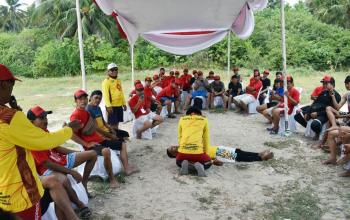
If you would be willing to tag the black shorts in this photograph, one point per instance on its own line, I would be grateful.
(154, 107)
(112, 144)
(271, 104)
(116, 116)
(45, 201)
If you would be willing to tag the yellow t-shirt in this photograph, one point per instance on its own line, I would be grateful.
(212, 152)
(193, 134)
(20, 186)
(100, 124)
(113, 93)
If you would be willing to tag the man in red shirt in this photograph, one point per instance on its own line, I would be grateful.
(186, 81)
(140, 106)
(60, 161)
(252, 92)
(91, 139)
(317, 91)
(169, 95)
(133, 92)
(293, 96)
(151, 103)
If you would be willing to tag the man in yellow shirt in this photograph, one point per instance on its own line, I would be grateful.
(20, 187)
(193, 138)
(113, 96)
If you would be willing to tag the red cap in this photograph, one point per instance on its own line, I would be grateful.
(37, 112)
(177, 72)
(326, 78)
(137, 81)
(6, 74)
(139, 86)
(80, 93)
(266, 72)
(216, 77)
(148, 79)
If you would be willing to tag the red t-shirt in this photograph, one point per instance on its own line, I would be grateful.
(83, 116)
(168, 92)
(41, 156)
(317, 91)
(256, 84)
(185, 79)
(142, 110)
(148, 91)
(294, 93)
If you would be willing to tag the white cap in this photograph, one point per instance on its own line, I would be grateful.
(111, 66)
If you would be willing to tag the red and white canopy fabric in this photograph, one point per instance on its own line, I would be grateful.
(182, 27)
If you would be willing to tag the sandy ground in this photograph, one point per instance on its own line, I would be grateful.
(295, 185)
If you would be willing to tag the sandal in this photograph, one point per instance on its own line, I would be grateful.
(85, 213)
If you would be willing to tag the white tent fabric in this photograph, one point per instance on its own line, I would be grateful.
(182, 26)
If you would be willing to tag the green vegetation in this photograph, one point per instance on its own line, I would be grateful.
(42, 42)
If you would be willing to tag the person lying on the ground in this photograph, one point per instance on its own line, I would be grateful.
(266, 82)
(193, 139)
(234, 89)
(18, 136)
(60, 161)
(145, 119)
(90, 139)
(317, 110)
(217, 89)
(252, 91)
(334, 113)
(293, 97)
(276, 97)
(168, 96)
(343, 135)
(102, 127)
(222, 154)
(317, 91)
(200, 89)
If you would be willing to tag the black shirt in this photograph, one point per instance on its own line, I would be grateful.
(234, 88)
(265, 82)
(323, 101)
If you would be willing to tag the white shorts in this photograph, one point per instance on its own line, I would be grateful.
(245, 98)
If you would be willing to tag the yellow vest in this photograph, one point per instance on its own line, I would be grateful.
(193, 134)
(20, 186)
(113, 94)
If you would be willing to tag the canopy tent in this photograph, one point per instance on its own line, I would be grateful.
(184, 27)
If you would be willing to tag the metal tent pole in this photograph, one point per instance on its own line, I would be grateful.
(228, 53)
(81, 47)
(284, 58)
(132, 65)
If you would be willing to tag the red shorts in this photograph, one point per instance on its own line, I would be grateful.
(33, 213)
(202, 158)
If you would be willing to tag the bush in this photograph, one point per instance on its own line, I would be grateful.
(57, 58)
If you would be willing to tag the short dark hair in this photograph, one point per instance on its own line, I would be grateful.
(234, 77)
(169, 154)
(162, 68)
(7, 215)
(193, 110)
(256, 70)
(347, 79)
(95, 92)
(279, 73)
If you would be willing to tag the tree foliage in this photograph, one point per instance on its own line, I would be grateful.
(12, 17)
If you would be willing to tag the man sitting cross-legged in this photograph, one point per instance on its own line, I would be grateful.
(145, 119)
(217, 89)
(222, 154)
(170, 95)
(59, 162)
(89, 137)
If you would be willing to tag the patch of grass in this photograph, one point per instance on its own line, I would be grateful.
(206, 200)
(295, 204)
(101, 188)
(282, 144)
(282, 166)
(121, 177)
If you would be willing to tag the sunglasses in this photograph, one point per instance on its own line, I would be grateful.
(114, 70)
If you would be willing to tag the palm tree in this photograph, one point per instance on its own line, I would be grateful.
(60, 16)
(12, 17)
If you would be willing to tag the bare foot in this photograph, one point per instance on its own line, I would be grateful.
(332, 128)
(131, 170)
(331, 161)
(267, 156)
(345, 174)
(317, 145)
(113, 184)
